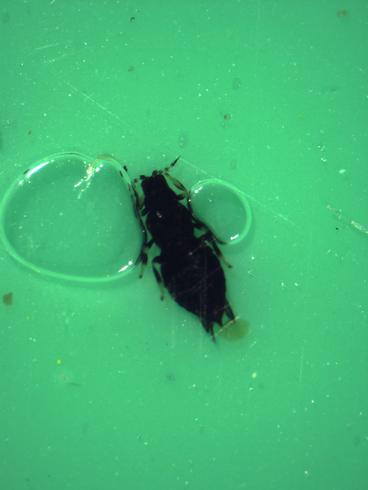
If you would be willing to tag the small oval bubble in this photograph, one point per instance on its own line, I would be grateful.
(223, 208)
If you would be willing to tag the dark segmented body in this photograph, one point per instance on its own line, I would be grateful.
(189, 265)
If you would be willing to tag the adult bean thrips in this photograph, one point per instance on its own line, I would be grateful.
(189, 261)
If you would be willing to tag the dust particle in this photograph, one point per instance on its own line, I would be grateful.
(5, 18)
(342, 13)
(183, 140)
(8, 299)
(236, 83)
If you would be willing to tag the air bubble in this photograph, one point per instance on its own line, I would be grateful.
(70, 216)
(223, 208)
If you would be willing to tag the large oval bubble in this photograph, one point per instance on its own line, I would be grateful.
(70, 216)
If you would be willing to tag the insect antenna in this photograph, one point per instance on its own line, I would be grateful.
(172, 164)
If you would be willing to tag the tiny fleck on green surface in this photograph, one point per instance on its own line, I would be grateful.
(103, 385)
(8, 299)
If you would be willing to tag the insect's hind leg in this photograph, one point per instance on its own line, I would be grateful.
(208, 326)
(230, 314)
(202, 226)
(209, 237)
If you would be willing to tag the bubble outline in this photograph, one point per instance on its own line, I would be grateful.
(41, 270)
(239, 194)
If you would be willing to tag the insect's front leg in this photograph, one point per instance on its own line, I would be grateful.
(197, 222)
(138, 210)
(210, 236)
(177, 184)
(185, 193)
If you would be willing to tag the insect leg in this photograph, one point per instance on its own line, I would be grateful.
(197, 222)
(181, 187)
(229, 312)
(208, 326)
(137, 206)
(211, 239)
(143, 256)
(175, 181)
(185, 193)
(157, 260)
(137, 200)
(201, 225)
(178, 184)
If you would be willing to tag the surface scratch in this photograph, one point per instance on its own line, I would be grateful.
(97, 104)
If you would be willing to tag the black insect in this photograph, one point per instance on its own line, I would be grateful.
(188, 265)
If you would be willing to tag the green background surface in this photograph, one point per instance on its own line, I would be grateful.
(104, 386)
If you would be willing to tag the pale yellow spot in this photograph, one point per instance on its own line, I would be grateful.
(234, 330)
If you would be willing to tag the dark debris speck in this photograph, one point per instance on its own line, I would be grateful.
(342, 13)
(8, 299)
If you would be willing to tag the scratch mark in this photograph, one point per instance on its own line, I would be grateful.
(250, 197)
(52, 60)
(359, 227)
(98, 104)
(271, 211)
(195, 167)
(301, 366)
(347, 221)
(47, 46)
